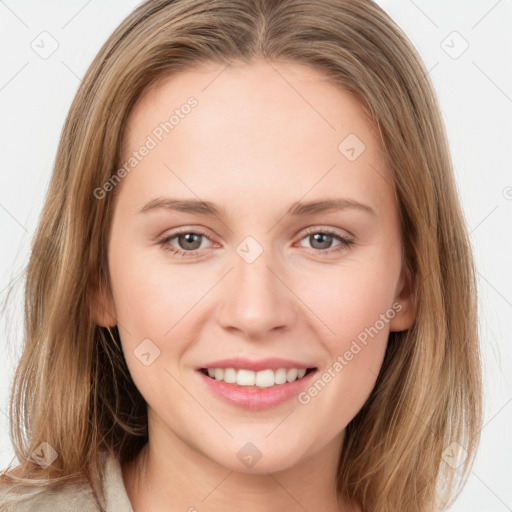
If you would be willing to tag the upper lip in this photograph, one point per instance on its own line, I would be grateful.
(242, 363)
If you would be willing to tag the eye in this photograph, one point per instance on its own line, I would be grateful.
(188, 242)
(322, 239)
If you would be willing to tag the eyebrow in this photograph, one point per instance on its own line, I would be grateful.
(297, 209)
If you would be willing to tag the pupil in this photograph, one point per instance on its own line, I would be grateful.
(189, 239)
(317, 238)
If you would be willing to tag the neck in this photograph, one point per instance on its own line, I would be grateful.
(173, 476)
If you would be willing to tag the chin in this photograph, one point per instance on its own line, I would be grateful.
(251, 458)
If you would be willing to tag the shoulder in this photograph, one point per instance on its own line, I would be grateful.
(72, 497)
(68, 498)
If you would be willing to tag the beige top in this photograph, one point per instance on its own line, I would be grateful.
(75, 497)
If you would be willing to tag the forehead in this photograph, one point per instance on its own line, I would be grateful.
(255, 128)
(262, 91)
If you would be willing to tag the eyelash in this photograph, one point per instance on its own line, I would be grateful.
(345, 242)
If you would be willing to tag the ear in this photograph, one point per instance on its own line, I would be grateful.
(101, 303)
(406, 297)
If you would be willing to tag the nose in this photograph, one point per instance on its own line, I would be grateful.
(255, 299)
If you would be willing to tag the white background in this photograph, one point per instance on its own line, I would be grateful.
(475, 94)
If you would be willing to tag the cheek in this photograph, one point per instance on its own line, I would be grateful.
(152, 298)
(155, 302)
(355, 314)
(354, 306)
(349, 299)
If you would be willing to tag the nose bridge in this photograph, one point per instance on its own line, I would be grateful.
(254, 299)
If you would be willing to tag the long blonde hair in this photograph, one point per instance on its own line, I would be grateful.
(72, 388)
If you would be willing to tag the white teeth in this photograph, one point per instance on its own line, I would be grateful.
(261, 379)
(291, 374)
(265, 378)
(280, 376)
(245, 378)
(230, 375)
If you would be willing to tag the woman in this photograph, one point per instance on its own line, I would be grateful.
(316, 346)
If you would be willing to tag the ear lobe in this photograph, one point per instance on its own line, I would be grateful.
(406, 297)
(102, 306)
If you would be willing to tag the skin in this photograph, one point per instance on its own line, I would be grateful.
(262, 137)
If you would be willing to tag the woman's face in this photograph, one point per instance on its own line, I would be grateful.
(259, 275)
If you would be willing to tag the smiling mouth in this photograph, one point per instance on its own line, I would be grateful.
(257, 379)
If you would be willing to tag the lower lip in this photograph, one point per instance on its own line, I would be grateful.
(253, 398)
